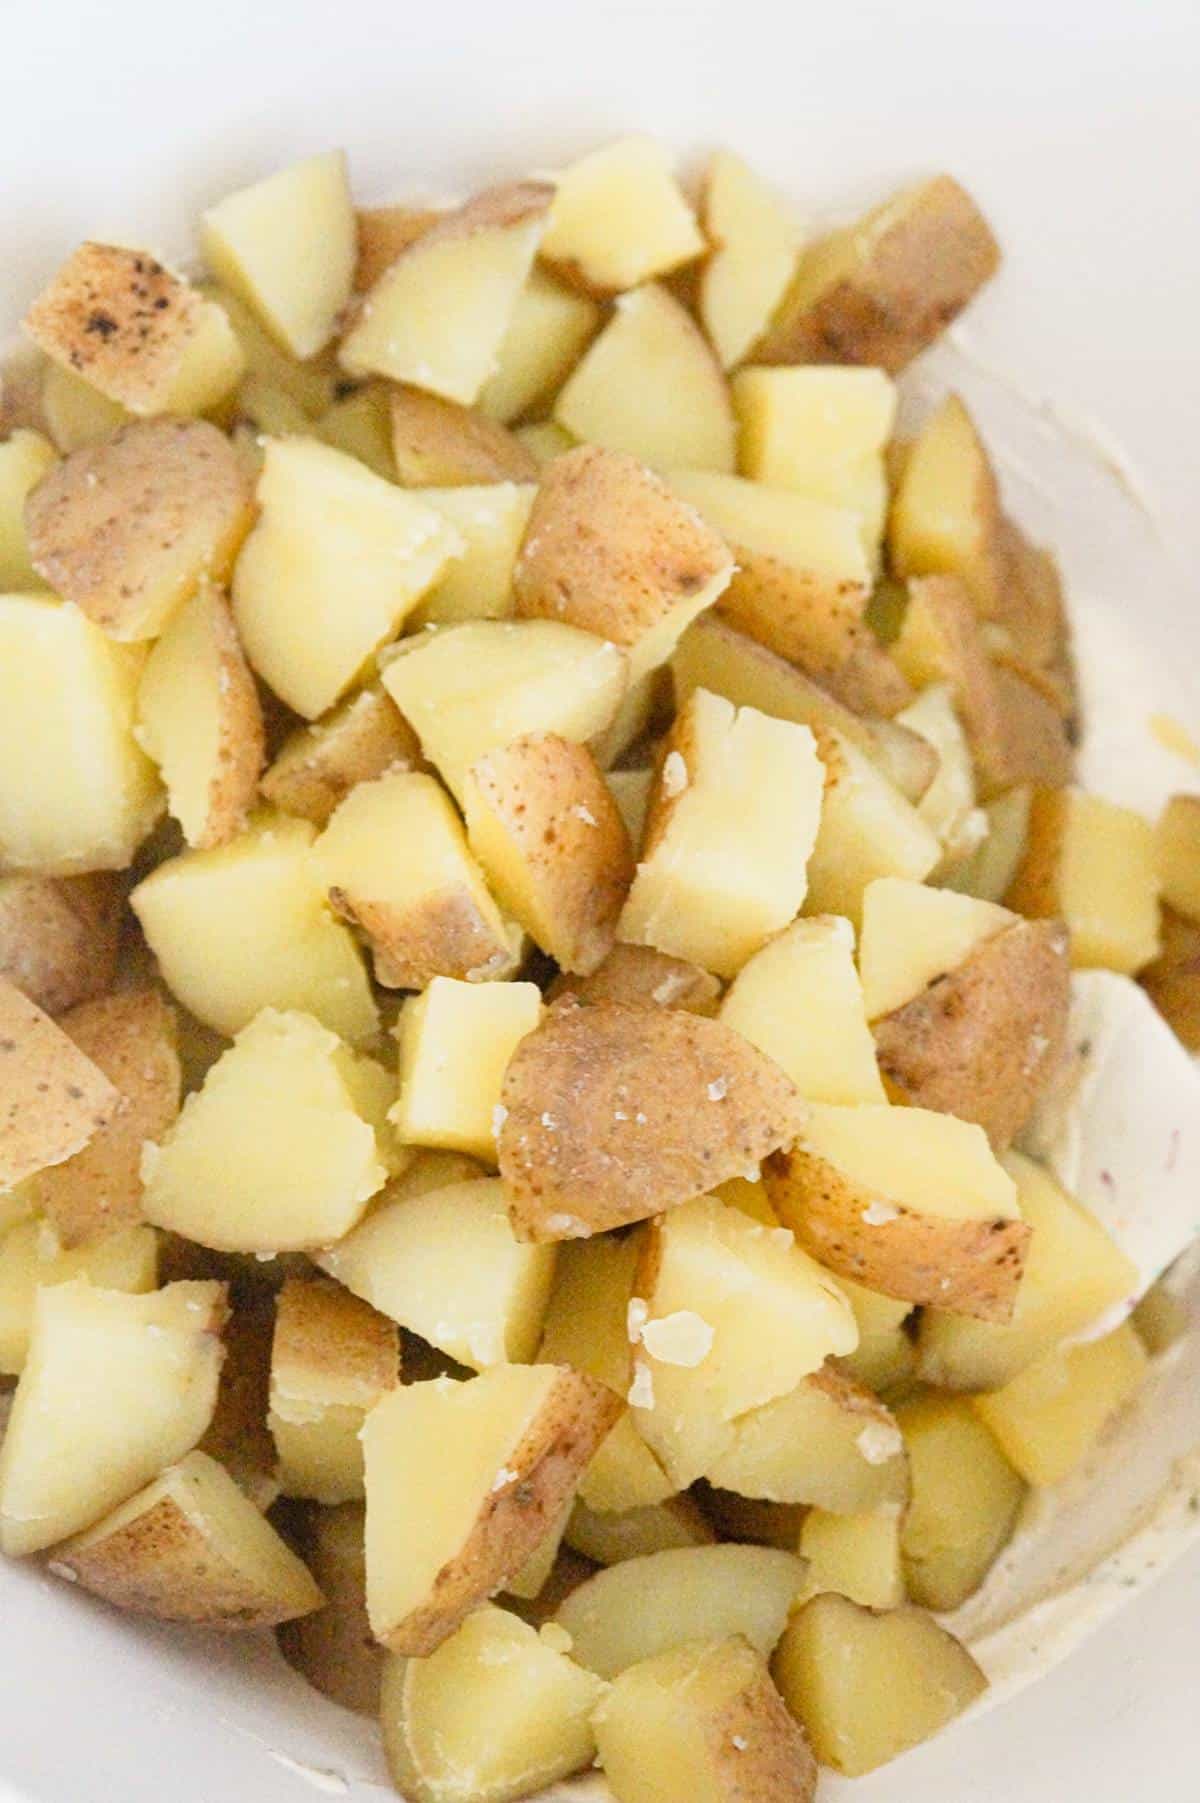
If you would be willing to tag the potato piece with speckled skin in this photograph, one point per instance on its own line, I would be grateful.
(1093, 864)
(439, 444)
(383, 232)
(1173, 980)
(55, 1098)
(333, 1647)
(59, 937)
(640, 977)
(365, 737)
(646, 1107)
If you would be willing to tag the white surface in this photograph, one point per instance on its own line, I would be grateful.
(1077, 127)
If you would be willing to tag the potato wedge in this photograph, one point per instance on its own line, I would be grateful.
(881, 290)
(32, 1257)
(59, 937)
(1092, 864)
(885, 1357)
(619, 217)
(439, 444)
(333, 1647)
(490, 519)
(868, 830)
(857, 1556)
(640, 977)
(1048, 1418)
(383, 232)
(548, 331)
(907, 1202)
(364, 737)
(56, 1098)
(332, 1358)
(463, 1481)
(1172, 981)
(613, 1114)
(608, 1536)
(755, 243)
(76, 413)
(472, 1030)
(964, 1501)
(115, 1388)
(495, 1713)
(947, 518)
(26, 458)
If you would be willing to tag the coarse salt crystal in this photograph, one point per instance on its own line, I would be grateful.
(682, 1338)
(879, 1214)
(548, 1121)
(674, 774)
(641, 1390)
(584, 814)
(880, 1441)
(739, 1741)
(718, 1089)
(499, 1116)
(636, 1317)
(505, 1476)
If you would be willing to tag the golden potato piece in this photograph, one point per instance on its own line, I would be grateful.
(814, 429)
(191, 1547)
(365, 737)
(59, 937)
(463, 1482)
(472, 1030)
(989, 870)
(618, 217)
(610, 1535)
(858, 1556)
(549, 329)
(640, 977)
(964, 1501)
(359, 423)
(238, 1437)
(755, 242)
(76, 413)
(490, 519)
(383, 232)
(614, 1114)
(1048, 1418)
(439, 444)
(56, 1098)
(949, 805)
(1092, 864)
(25, 459)
(946, 518)
(32, 1257)
(913, 933)
(1172, 981)
(867, 1687)
(1178, 845)
(885, 1357)
(880, 291)
(868, 830)
(333, 1646)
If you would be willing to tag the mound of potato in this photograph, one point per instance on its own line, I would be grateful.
(539, 882)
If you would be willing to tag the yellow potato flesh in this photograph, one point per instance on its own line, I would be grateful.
(1049, 1417)
(912, 933)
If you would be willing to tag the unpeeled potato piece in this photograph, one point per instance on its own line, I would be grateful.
(333, 1646)
(59, 937)
(365, 737)
(642, 977)
(55, 1098)
(1172, 981)
(439, 444)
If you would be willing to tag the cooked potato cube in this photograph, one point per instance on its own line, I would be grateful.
(1092, 864)
(438, 444)
(855, 1555)
(25, 458)
(463, 1482)
(306, 386)
(383, 232)
(650, 1605)
(547, 333)
(650, 385)
(613, 1114)
(288, 246)
(799, 1000)
(755, 243)
(332, 1358)
(76, 413)
(55, 1098)
(907, 1202)
(1178, 846)
(59, 937)
(490, 519)
(443, 1262)
(467, 689)
(963, 1505)
(360, 423)
(866, 1687)
(885, 1357)
(190, 1547)
(1048, 1418)
(546, 440)
(618, 217)
(333, 1647)
(881, 290)
(77, 792)
(946, 519)
(137, 333)
(246, 927)
(365, 737)
(32, 1258)
(115, 1388)
(868, 830)
(640, 976)
(751, 785)
(989, 871)
(469, 1030)
(496, 1713)
(200, 720)
(273, 1154)
(608, 1536)
(1172, 981)
(336, 561)
(438, 314)
(949, 803)
(913, 934)
(609, 548)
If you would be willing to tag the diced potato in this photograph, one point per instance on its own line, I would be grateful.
(1178, 848)
(749, 1520)
(650, 385)
(59, 937)
(729, 1315)
(1172, 981)
(608, 1536)
(490, 519)
(365, 737)
(748, 1196)
(395, 862)
(1092, 864)
(469, 1031)
(646, 1606)
(360, 424)
(332, 1358)
(55, 1098)
(136, 332)
(964, 1501)
(946, 519)
(855, 1555)
(496, 1713)
(76, 413)
(463, 1482)
(438, 444)
(527, 1584)
(438, 315)
(190, 1547)
(115, 1388)
(989, 871)
(32, 1258)
(867, 1687)
(609, 548)
(732, 822)
(642, 710)
(263, 412)
(640, 976)
(881, 290)
(77, 794)
(948, 805)
(288, 246)
(25, 458)
(307, 386)
(333, 1647)
(612, 1114)
(200, 720)
(828, 1442)
(336, 561)
(913, 934)
(548, 330)
(246, 927)
(273, 1153)
(546, 830)
(237, 1436)
(868, 830)
(755, 243)
(618, 217)
(907, 1202)
(799, 1000)
(383, 232)
(1049, 1417)
(885, 1357)
(467, 689)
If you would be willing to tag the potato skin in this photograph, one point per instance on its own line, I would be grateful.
(439, 444)
(1173, 980)
(615, 1114)
(59, 937)
(316, 768)
(53, 1099)
(984, 1040)
(383, 232)
(444, 936)
(641, 977)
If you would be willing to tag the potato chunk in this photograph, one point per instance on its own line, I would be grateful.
(365, 737)
(59, 937)
(77, 793)
(190, 1547)
(273, 1153)
(881, 290)
(885, 1357)
(1178, 847)
(618, 217)
(438, 314)
(32, 1257)
(913, 934)
(964, 1501)
(25, 459)
(946, 518)
(200, 720)
(115, 1388)
(55, 1098)
(463, 1481)
(471, 1030)
(812, 429)
(288, 246)
(494, 1714)
(383, 232)
(395, 862)
(856, 1555)
(547, 333)
(613, 1114)
(907, 1202)
(608, 1536)
(868, 830)
(438, 444)
(137, 333)
(949, 803)
(640, 976)
(1093, 864)
(1172, 981)
(333, 1647)
(336, 561)
(755, 243)
(867, 1687)
(490, 519)
(1048, 1418)
(650, 385)
(332, 1358)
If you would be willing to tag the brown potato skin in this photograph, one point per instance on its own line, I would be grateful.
(334, 1647)
(439, 444)
(592, 1071)
(445, 936)
(383, 232)
(60, 936)
(983, 1041)
(321, 1327)
(53, 1098)
(641, 977)
(241, 736)
(1173, 980)
(318, 766)
(238, 1436)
